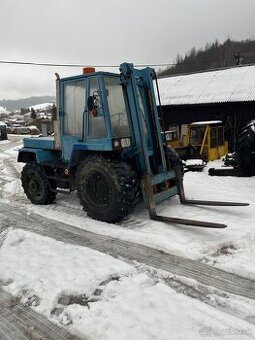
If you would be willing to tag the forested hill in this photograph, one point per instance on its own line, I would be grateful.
(215, 55)
(12, 104)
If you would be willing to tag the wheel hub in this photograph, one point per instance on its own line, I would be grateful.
(98, 189)
(102, 188)
(34, 186)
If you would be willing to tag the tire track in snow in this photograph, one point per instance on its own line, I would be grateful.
(22, 323)
(205, 274)
(205, 292)
(63, 207)
(213, 297)
(13, 171)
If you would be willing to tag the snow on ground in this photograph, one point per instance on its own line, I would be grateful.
(5, 142)
(231, 249)
(10, 171)
(50, 269)
(98, 297)
(193, 242)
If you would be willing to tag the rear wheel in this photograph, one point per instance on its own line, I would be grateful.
(36, 184)
(108, 190)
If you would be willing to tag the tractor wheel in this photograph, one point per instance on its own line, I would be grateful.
(245, 147)
(108, 190)
(174, 161)
(36, 184)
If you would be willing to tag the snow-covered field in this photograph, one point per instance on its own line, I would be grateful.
(99, 297)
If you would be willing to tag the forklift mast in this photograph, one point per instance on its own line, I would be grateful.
(140, 97)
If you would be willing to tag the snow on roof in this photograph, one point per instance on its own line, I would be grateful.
(3, 110)
(219, 86)
(32, 127)
(2, 124)
(207, 122)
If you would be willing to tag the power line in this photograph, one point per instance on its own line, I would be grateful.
(32, 63)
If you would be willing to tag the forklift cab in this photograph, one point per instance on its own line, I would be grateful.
(207, 139)
(94, 114)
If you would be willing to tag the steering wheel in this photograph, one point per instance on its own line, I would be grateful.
(118, 115)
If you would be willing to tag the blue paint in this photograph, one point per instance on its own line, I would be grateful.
(46, 143)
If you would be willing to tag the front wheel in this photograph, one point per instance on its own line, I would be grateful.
(108, 190)
(36, 184)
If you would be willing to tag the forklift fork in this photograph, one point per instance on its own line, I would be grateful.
(149, 195)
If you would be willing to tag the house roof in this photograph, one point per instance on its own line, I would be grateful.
(236, 84)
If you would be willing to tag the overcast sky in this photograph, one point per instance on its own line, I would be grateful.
(107, 32)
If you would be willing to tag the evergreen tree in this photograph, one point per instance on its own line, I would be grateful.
(214, 55)
(33, 113)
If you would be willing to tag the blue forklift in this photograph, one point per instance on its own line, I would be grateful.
(109, 144)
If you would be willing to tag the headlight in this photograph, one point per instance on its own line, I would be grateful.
(116, 143)
(121, 143)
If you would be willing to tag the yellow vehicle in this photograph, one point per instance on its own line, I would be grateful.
(207, 140)
(175, 136)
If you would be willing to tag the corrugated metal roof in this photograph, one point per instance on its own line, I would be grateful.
(235, 84)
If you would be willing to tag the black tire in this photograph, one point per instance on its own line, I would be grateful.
(173, 160)
(245, 147)
(108, 190)
(36, 184)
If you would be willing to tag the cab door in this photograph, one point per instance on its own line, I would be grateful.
(74, 104)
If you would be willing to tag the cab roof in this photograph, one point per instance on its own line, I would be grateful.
(87, 75)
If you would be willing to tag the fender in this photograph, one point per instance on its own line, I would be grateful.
(41, 156)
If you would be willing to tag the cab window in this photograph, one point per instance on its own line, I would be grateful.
(197, 135)
(74, 102)
(117, 107)
(96, 120)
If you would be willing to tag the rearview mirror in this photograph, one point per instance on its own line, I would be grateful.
(94, 102)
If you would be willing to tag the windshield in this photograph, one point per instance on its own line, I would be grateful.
(117, 107)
